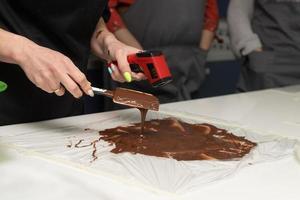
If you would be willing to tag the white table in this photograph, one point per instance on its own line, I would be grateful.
(275, 111)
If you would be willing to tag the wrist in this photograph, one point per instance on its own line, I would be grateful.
(105, 38)
(258, 49)
(21, 49)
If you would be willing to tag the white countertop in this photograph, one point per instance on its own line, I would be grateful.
(275, 111)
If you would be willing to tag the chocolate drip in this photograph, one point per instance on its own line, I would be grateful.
(78, 143)
(143, 117)
(93, 144)
(136, 99)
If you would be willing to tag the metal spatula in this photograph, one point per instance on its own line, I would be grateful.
(131, 98)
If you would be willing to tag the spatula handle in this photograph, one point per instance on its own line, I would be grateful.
(104, 92)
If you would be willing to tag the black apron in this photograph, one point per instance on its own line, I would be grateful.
(175, 27)
(62, 25)
(277, 23)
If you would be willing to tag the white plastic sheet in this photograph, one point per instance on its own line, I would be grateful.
(154, 173)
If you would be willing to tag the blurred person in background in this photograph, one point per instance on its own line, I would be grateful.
(44, 47)
(266, 34)
(183, 30)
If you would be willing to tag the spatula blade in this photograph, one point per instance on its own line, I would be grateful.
(135, 99)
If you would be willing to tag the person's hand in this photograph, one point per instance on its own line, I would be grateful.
(106, 46)
(52, 71)
(258, 49)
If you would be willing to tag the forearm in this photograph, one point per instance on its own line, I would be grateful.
(125, 36)
(207, 39)
(101, 39)
(11, 47)
(243, 39)
(117, 26)
(211, 21)
(106, 46)
(46, 68)
(102, 34)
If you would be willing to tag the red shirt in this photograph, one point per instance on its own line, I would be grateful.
(211, 16)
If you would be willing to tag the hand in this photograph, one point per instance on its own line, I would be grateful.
(52, 71)
(258, 49)
(106, 46)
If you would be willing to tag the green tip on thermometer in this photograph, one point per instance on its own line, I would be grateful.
(3, 86)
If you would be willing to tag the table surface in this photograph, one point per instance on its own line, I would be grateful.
(268, 112)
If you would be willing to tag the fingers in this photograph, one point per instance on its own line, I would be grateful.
(115, 73)
(71, 86)
(75, 83)
(41, 83)
(116, 51)
(60, 92)
(79, 78)
(123, 65)
(53, 72)
(138, 76)
(53, 84)
(46, 81)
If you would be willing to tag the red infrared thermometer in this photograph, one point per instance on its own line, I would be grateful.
(153, 64)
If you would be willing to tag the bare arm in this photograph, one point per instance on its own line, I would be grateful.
(105, 45)
(46, 68)
(207, 39)
(243, 39)
(211, 20)
(125, 36)
(117, 26)
(10, 47)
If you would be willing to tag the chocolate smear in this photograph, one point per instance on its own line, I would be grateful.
(93, 144)
(173, 138)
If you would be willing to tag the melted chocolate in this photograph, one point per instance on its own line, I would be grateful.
(179, 140)
(93, 144)
(78, 143)
(142, 101)
(143, 118)
(135, 99)
(69, 145)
